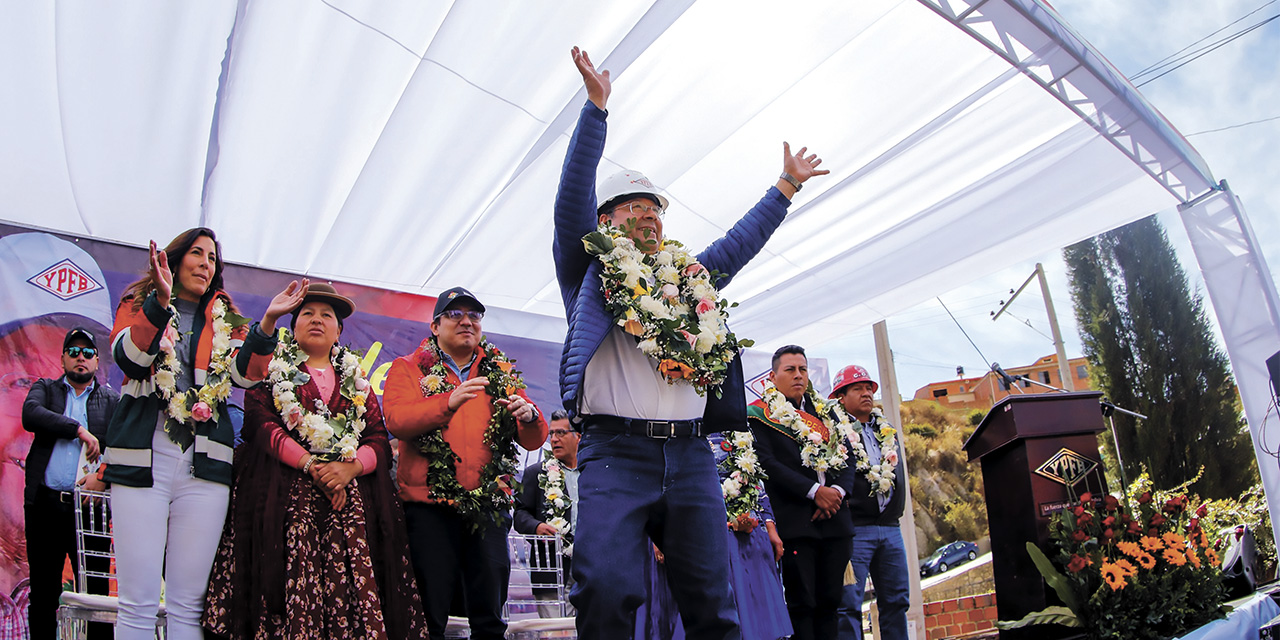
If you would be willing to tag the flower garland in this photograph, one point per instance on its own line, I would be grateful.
(330, 437)
(557, 500)
(670, 303)
(194, 405)
(817, 452)
(743, 485)
(881, 476)
(492, 499)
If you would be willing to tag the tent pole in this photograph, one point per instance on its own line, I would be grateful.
(892, 399)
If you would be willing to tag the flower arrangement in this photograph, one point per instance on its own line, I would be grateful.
(1147, 572)
(196, 404)
(490, 501)
(556, 498)
(823, 443)
(669, 301)
(880, 476)
(743, 482)
(330, 437)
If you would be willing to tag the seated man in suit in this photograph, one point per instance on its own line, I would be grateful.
(548, 504)
(801, 443)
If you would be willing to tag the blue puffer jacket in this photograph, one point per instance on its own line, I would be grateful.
(579, 273)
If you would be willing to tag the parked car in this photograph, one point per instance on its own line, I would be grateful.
(947, 556)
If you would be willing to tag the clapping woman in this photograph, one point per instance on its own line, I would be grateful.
(181, 346)
(315, 543)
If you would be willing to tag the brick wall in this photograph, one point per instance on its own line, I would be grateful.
(960, 616)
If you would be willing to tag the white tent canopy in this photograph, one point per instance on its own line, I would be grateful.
(416, 145)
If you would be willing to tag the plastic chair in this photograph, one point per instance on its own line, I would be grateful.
(93, 531)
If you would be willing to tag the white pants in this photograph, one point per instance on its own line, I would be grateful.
(172, 527)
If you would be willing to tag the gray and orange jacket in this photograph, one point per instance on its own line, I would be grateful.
(135, 343)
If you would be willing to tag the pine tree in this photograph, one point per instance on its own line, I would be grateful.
(1151, 350)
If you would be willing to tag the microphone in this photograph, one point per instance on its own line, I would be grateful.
(1009, 380)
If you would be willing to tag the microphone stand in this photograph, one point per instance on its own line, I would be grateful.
(1108, 410)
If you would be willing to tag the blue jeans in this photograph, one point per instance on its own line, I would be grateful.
(878, 550)
(633, 488)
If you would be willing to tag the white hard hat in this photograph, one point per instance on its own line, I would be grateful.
(626, 183)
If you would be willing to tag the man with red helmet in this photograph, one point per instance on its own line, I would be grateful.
(875, 504)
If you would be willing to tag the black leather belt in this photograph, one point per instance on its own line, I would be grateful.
(65, 497)
(648, 428)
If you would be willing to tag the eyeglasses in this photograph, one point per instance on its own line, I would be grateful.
(558, 433)
(457, 315)
(641, 208)
(75, 352)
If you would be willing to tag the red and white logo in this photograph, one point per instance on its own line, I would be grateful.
(65, 280)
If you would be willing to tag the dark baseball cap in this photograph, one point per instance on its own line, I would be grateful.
(81, 333)
(450, 296)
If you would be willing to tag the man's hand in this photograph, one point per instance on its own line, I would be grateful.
(798, 166)
(828, 501)
(596, 82)
(519, 407)
(545, 529)
(91, 447)
(466, 391)
(775, 540)
(283, 303)
(161, 275)
(91, 483)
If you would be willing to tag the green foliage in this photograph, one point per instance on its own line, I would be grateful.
(945, 487)
(1151, 350)
(976, 416)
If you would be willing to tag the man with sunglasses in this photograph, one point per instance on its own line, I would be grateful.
(647, 472)
(65, 415)
(532, 508)
(442, 389)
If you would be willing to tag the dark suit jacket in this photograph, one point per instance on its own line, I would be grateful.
(789, 482)
(42, 415)
(528, 511)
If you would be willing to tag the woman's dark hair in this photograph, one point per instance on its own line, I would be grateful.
(175, 251)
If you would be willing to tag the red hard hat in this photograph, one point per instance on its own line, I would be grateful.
(849, 375)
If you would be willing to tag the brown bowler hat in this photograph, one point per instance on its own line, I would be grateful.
(323, 292)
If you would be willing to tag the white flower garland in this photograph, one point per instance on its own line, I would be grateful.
(744, 485)
(556, 497)
(881, 476)
(195, 405)
(816, 452)
(330, 437)
(669, 301)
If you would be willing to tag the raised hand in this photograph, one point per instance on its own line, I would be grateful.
(161, 275)
(283, 303)
(596, 82)
(519, 407)
(800, 166)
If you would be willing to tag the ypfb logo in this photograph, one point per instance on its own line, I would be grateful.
(644, 182)
(65, 280)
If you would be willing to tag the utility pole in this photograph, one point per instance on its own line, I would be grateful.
(1064, 370)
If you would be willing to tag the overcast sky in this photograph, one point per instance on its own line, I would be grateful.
(1235, 84)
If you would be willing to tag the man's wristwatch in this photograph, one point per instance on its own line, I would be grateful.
(792, 179)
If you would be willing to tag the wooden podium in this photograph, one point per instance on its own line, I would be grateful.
(1038, 452)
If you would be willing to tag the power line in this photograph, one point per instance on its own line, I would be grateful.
(1234, 126)
(966, 334)
(1220, 30)
(1205, 50)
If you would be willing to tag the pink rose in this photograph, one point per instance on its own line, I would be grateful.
(705, 305)
(692, 339)
(693, 270)
(670, 291)
(169, 338)
(201, 412)
(294, 416)
(891, 458)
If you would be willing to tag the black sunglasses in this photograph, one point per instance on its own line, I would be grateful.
(74, 352)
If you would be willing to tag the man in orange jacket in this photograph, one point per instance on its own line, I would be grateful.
(459, 411)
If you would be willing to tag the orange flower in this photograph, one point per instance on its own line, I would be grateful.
(633, 327)
(1147, 561)
(1174, 558)
(1175, 541)
(1193, 557)
(1130, 549)
(1212, 556)
(1152, 543)
(1126, 567)
(674, 370)
(1113, 575)
(505, 365)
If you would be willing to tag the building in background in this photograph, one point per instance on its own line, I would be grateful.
(984, 391)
